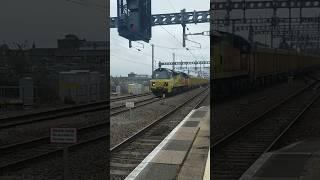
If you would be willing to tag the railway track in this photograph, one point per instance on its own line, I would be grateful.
(31, 118)
(42, 116)
(235, 153)
(48, 115)
(128, 97)
(19, 155)
(122, 108)
(128, 154)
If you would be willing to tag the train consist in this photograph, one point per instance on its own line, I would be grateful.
(167, 81)
(238, 65)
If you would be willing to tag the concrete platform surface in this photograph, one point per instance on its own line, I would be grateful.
(195, 163)
(299, 161)
(182, 154)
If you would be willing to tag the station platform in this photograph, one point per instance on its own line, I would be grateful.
(183, 154)
(299, 161)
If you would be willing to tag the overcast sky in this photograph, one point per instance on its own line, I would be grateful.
(44, 21)
(310, 12)
(125, 60)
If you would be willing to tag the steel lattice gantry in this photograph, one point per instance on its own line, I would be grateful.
(265, 20)
(204, 16)
(174, 18)
(264, 4)
(289, 28)
(304, 27)
(183, 63)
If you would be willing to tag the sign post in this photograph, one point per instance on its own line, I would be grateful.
(130, 105)
(68, 136)
(164, 98)
(66, 169)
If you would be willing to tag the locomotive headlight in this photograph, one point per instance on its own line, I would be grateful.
(153, 83)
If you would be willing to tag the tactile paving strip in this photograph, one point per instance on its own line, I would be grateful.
(198, 114)
(191, 124)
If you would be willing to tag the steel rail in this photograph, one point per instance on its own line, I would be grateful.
(222, 140)
(8, 148)
(269, 139)
(30, 118)
(128, 97)
(22, 163)
(292, 123)
(148, 127)
(56, 110)
(46, 139)
(122, 163)
(61, 113)
(137, 104)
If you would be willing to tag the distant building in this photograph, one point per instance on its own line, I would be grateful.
(69, 42)
(73, 42)
(138, 78)
(132, 75)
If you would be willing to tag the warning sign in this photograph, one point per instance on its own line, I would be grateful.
(130, 104)
(63, 135)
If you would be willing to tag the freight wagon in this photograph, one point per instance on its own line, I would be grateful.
(237, 65)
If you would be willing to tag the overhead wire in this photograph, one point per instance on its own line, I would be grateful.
(129, 60)
(172, 6)
(174, 36)
(186, 25)
(188, 29)
(143, 53)
(178, 41)
(166, 47)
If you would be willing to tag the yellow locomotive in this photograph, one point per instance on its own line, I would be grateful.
(167, 81)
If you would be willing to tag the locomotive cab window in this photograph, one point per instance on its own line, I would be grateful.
(161, 74)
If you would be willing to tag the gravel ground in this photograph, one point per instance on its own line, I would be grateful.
(206, 102)
(86, 163)
(41, 108)
(231, 115)
(34, 150)
(123, 102)
(305, 128)
(121, 127)
(21, 133)
(139, 149)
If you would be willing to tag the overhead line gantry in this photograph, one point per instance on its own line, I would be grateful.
(273, 25)
(134, 21)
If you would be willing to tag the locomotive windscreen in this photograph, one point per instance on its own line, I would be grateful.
(161, 74)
